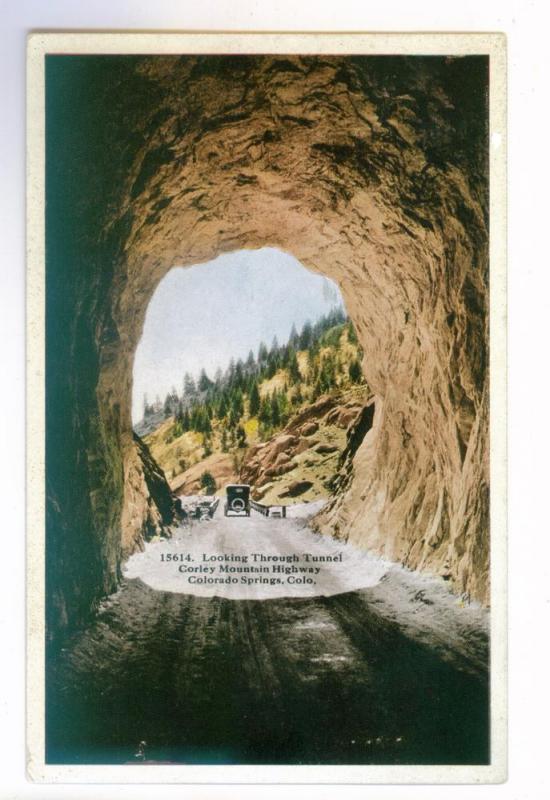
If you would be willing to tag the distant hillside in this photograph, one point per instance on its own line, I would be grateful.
(218, 430)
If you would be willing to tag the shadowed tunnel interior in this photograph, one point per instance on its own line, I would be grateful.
(219, 686)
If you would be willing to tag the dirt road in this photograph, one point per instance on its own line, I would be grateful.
(391, 673)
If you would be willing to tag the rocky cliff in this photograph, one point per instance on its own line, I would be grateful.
(370, 170)
(150, 510)
(301, 462)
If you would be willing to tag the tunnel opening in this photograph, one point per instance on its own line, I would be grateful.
(248, 370)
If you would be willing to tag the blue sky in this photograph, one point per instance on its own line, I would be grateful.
(204, 315)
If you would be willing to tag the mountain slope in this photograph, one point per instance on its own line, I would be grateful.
(277, 421)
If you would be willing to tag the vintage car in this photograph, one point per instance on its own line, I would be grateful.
(237, 499)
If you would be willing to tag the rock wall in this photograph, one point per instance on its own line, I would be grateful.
(371, 170)
(149, 509)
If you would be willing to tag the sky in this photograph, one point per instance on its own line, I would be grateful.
(204, 315)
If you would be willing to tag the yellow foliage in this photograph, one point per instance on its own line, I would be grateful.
(251, 428)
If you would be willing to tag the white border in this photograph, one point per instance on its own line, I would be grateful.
(342, 43)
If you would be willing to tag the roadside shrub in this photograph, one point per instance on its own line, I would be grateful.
(208, 482)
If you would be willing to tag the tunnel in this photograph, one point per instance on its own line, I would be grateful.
(371, 171)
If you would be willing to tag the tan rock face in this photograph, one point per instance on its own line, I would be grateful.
(269, 460)
(309, 428)
(368, 170)
(219, 465)
(149, 508)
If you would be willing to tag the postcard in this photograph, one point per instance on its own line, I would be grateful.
(266, 408)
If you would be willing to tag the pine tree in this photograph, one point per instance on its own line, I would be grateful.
(284, 352)
(327, 375)
(355, 371)
(241, 436)
(204, 381)
(275, 412)
(250, 363)
(306, 336)
(293, 367)
(239, 374)
(254, 400)
(237, 403)
(262, 354)
(271, 368)
(222, 407)
(264, 413)
(207, 445)
(317, 390)
(223, 445)
(189, 387)
(312, 367)
(284, 407)
(297, 398)
(233, 418)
